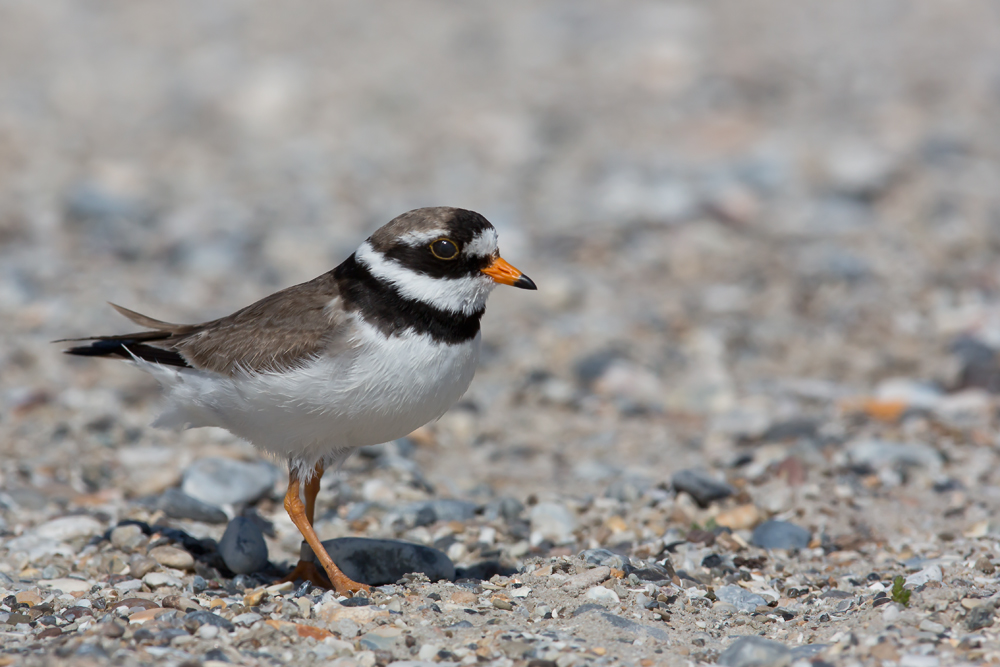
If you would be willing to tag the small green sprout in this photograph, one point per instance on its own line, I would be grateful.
(900, 594)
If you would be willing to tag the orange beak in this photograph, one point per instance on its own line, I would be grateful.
(505, 274)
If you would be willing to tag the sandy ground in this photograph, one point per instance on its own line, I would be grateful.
(765, 235)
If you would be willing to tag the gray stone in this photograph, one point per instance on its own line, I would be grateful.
(885, 454)
(242, 546)
(378, 562)
(219, 481)
(426, 512)
(780, 535)
(755, 652)
(178, 505)
(506, 508)
(740, 598)
(979, 617)
(196, 619)
(553, 522)
(69, 528)
(376, 642)
(701, 486)
(602, 557)
(127, 537)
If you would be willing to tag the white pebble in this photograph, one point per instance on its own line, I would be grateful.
(603, 595)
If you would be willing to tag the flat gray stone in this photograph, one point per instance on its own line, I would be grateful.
(219, 481)
(242, 546)
(701, 486)
(780, 535)
(755, 652)
(178, 505)
(740, 598)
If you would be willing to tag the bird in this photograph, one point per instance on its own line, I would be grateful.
(364, 354)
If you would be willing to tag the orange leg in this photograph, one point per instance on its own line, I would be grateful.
(302, 516)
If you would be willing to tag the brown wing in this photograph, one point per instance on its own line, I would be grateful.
(278, 332)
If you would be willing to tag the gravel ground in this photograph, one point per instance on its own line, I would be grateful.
(757, 385)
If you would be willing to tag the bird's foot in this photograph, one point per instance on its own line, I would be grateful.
(307, 570)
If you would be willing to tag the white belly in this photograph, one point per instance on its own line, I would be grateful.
(383, 389)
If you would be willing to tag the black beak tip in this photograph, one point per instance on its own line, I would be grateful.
(524, 282)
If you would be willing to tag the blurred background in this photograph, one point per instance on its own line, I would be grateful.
(738, 212)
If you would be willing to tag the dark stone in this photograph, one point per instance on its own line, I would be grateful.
(71, 614)
(426, 512)
(379, 562)
(979, 364)
(242, 546)
(791, 430)
(602, 557)
(356, 602)
(755, 652)
(592, 366)
(178, 505)
(836, 595)
(195, 619)
(979, 617)
(701, 486)
(780, 535)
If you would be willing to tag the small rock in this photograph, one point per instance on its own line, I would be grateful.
(503, 603)
(30, 598)
(380, 639)
(169, 556)
(242, 546)
(979, 617)
(178, 505)
(196, 619)
(929, 573)
(181, 603)
(985, 565)
(247, 619)
(701, 486)
(219, 481)
(877, 454)
(161, 579)
(426, 512)
(740, 598)
(129, 586)
(140, 566)
(334, 612)
(127, 537)
(379, 562)
(69, 528)
(553, 522)
(587, 579)
(67, 585)
(780, 535)
(891, 613)
(928, 625)
(740, 517)
(603, 595)
(755, 652)
(602, 557)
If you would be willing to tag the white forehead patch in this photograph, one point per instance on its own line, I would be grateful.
(483, 244)
(417, 239)
(465, 295)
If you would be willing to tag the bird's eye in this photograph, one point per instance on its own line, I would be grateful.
(444, 249)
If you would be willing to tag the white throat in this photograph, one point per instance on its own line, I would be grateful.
(466, 295)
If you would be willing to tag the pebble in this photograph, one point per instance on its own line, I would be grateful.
(378, 562)
(67, 585)
(160, 579)
(195, 619)
(740, 598)
(701, 486)
(553, 522)
(755, 652)
(427, 512)
(886, 454)
(602, 557)
(169, 556)
(780, 535)
(740, 517)
(219, 481)
(247, 619)
(587, 579)
(334, 612)
(242, 546)
(178, 505)
(891, 613)
(929, 573)
(69, 528)
(980, 617)
(127, 537)
(603, 595)
(30, 598)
